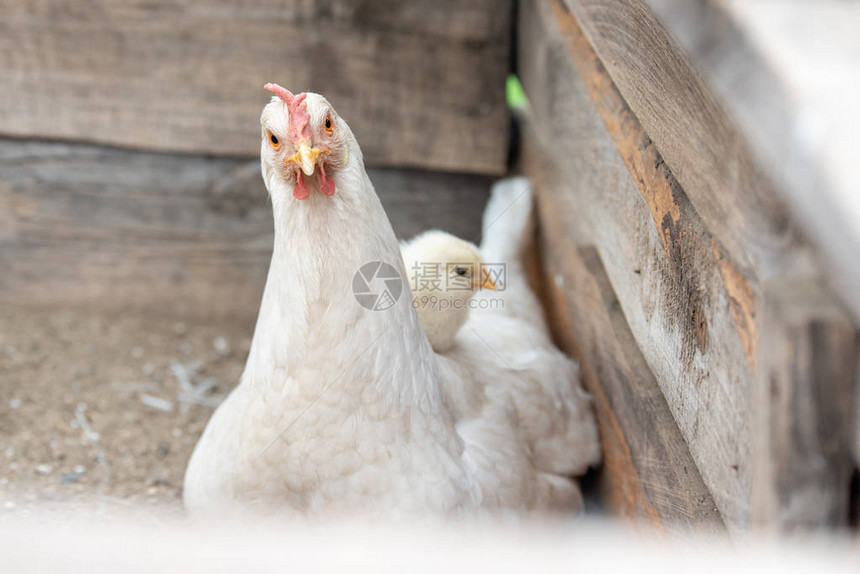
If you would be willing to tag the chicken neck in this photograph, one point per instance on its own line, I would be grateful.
(311, 331)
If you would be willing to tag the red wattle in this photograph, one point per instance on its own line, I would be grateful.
(300, 191)
(326, 185)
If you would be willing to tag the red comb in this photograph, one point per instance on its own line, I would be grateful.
(299, 117)
(280, 91)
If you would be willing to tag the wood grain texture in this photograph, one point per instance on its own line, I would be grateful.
(804, 410)
(419, 82)
(716, 340)
(648, 473)
(175, 235)
(677, 286)
(796, 108)
(708, 155)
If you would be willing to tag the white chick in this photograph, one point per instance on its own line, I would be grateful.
(444, 273)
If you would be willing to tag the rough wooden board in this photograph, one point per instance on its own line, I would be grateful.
(787, 73)
(804, 411)
(708, 155)
(691, 279)
(421, 83)
(688, 304)
(178, 235)
(648, 473)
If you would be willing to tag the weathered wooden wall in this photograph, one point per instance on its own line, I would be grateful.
(84, 225)
(787, 73)
(803, 409)
(647, 472)
(654, 181)
(419, 82)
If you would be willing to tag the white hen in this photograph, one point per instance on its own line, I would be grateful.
(504, 344)
(340, 408)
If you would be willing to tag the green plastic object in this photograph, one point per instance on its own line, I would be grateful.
(516, 95)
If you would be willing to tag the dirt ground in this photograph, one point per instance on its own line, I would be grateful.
(105, 410)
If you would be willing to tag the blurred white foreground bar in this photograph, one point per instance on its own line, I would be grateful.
(592, 547)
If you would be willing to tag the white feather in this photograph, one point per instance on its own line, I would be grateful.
(517, 388)
(341, 410)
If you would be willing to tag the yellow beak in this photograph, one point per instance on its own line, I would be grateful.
(306, 158)
(486, 282)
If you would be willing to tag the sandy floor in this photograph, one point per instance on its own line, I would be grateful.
(107, 409)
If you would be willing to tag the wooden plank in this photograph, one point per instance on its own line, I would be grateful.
(707, 154)
(419, 82)
(648, 473)
(804, 419)
(689, 306)
(180, 235)
(857, 442)
(793, 96)
(711, 334)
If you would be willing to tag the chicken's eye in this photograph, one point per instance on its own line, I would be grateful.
(273, 139)
(328, 123)
(460, 271)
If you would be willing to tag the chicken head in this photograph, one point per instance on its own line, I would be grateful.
(303, 141)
